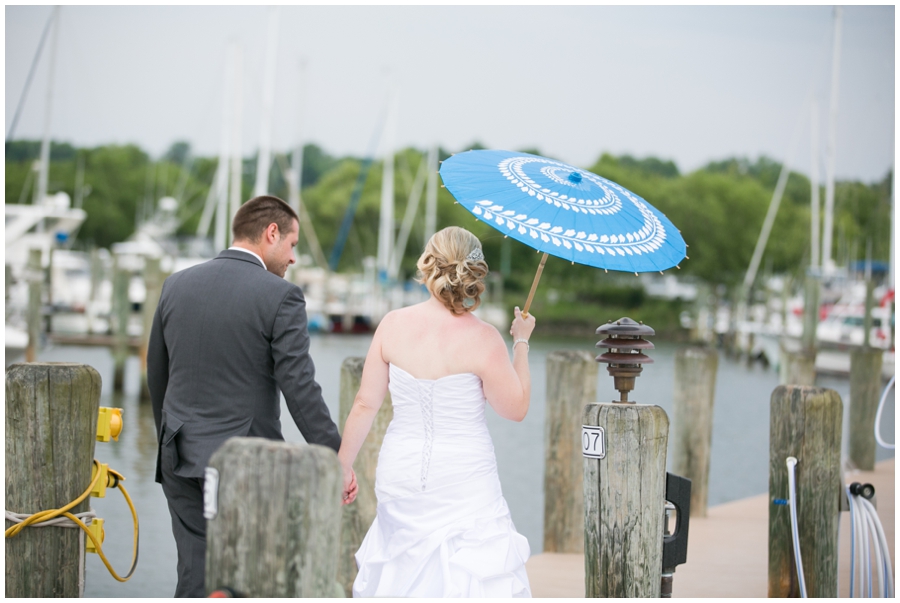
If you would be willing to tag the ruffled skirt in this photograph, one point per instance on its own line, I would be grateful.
(457, 540)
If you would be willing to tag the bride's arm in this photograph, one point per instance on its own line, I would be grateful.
(372, 389)
(507, 386)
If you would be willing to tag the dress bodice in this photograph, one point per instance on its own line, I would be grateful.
(442, 526)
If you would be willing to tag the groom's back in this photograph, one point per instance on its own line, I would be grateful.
(217, 320)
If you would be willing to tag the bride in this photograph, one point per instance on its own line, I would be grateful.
(442, 527)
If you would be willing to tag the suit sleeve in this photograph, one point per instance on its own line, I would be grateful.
(157, 367)
(296, 374)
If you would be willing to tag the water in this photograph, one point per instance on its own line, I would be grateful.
(739, 465)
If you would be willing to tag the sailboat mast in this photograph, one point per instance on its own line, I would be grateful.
(222, 171)
(237, 164)
(386, 216)
(297, 158)
(264, 159)
(815, 219)
(828, 225)
(43, 174)
(431, 195)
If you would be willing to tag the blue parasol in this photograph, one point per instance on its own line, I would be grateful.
(563, 211)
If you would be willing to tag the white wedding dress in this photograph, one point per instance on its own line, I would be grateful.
(442, 527)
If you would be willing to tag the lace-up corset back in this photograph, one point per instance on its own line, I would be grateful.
(437, 435)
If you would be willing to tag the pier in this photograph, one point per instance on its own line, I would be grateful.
(727, 550)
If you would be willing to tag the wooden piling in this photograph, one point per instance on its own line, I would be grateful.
(694, 395)
(796, 367)
(121, 311)
(865, 393)
(805, 423)
(276, 532)
(153, 279)
(571, 385)
(96, 280)
(35, 285)
(624, 495)
(811, 296)
(51, 427)
(358, 516)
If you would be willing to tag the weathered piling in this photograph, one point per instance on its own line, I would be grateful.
(796, 367)
(33, 318)
(358, 516)
(805, 423)
(51, 426)
(121, 311)
(153, 279)
(624, 448)
(623, 501)
(571, 385)
(96, 280)
(865, 392)
(276, 530)
(694, 395)
(811, 296)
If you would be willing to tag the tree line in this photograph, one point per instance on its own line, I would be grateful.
(719, 208)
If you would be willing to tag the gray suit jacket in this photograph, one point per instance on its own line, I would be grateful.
(227, 335)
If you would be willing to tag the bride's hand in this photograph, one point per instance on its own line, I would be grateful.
(521, 327)
(350, 486)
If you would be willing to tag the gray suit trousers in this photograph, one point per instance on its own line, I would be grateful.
(185, 498)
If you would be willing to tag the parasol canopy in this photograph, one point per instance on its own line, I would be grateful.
(563, 211)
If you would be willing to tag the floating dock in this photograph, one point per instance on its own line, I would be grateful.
(727, 550)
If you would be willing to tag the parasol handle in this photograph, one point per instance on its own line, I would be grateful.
(537, 278)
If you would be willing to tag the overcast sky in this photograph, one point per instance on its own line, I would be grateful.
(690, 84)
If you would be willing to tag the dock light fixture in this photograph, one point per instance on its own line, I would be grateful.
(625, 340)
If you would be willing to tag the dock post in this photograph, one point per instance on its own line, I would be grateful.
(96, 280)
(35, 279)
(571, 385)
(153, 278)
(276, 527)
(624, 449)
(51, 429)
(805, 423)
(796, 367)
(865, 392)
(694, 396)
(121, 311)
(357, 518)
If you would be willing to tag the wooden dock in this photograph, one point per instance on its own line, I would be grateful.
(727, 550)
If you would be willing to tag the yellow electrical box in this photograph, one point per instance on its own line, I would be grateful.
(99, 490)
(96, 528)
(109, 424)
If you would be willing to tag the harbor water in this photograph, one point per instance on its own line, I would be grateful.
(739, 465)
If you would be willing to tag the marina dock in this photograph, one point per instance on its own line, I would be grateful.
(727, 550)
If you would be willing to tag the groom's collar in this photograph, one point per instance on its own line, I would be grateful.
(244, 254)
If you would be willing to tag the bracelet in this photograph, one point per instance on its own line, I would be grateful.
(525, 341)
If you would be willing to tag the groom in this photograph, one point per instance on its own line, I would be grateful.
(228, 334)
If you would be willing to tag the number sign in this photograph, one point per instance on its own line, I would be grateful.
(593, 442)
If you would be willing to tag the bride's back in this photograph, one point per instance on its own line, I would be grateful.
(429, 342)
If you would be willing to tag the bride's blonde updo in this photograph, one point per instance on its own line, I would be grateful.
(450, 273)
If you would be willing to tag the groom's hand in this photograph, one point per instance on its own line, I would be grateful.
(350, 486)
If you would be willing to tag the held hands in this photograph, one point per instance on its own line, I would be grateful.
(350, 486)
(521, 327)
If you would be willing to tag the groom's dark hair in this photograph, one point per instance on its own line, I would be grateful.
(254, 216)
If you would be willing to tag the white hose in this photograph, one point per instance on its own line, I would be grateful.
(867, 537)
(795, 534)
(879, 560)
(878, 416)
(881, 546)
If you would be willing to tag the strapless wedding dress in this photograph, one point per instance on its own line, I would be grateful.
(442, 527)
